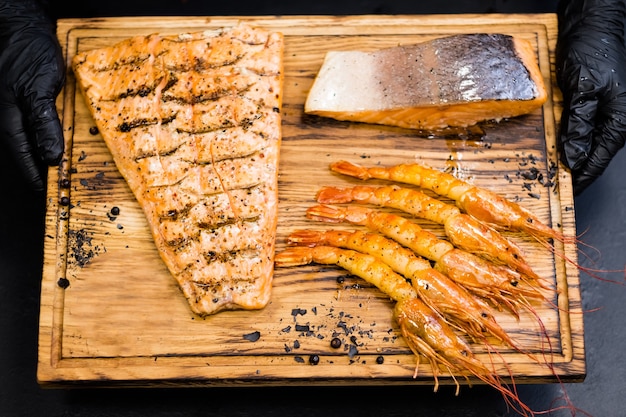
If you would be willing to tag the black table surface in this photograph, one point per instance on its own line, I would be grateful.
(600, 215)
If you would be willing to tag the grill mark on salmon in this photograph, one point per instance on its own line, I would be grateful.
(225, 143)
(454, 81)
(193, 124)
(203, 178)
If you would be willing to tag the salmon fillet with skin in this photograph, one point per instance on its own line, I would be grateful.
(193, 124)
(454, 81)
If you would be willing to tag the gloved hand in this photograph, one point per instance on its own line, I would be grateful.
(591, 73)
(32, 73)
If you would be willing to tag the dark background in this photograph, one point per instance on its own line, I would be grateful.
(600, 215)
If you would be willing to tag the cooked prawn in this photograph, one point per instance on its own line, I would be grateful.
(500, 285)
(365, 266)
(467, 313)
(425, 331)
(463, 231)
(480, 203)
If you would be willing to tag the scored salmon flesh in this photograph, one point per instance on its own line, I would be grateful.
(193, 124)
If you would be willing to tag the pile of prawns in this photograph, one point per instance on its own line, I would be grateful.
(444, 289)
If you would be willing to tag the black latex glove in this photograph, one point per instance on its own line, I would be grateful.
(591, 73)
(32, 73)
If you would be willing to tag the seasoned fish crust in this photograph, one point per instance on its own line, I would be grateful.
(453, 81)
(193, 124)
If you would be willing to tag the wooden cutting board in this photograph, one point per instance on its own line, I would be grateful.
(111, 314)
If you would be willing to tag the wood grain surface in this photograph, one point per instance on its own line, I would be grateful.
(121, 319)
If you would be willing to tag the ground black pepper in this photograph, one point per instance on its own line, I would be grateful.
(81, 247)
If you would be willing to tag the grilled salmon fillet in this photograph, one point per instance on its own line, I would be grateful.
(193, 124)
(454, 81)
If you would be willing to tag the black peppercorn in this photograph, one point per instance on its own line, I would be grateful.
(64, 201)
(115, 211)
(380, 360)
(314, 359)
(93, 130)
(335, 343)
(63, 283)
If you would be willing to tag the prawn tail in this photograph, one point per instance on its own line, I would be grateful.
(294, 256)
(351, 170)
(325, 213)
(305, 237)
(335, 214)
(334, 195)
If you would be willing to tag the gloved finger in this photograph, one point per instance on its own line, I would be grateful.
(609, 138)
(41, 83)
(48, 132)
(580, 107)
(20, 148)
